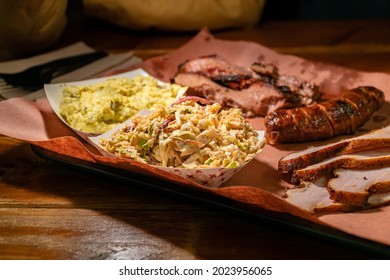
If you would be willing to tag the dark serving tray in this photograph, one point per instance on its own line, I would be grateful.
(283, 219)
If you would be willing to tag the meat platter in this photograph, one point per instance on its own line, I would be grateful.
(293, 113)
(264, 183)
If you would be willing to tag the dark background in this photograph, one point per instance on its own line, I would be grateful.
(299, 9)
(326, 9)
(294, 10)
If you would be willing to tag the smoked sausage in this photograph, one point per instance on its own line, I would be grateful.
(324, 120)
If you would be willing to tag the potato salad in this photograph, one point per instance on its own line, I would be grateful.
(188, 135)
(100, 107)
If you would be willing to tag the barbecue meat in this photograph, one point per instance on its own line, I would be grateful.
(215, 78)
(331, 118)
(364, 160)
(349, 175)
(220, 71)
(256, 100)
(315, 198)
(379, 138)
(356, 186)
(297, 91)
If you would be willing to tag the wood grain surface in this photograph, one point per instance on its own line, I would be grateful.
(50, 211)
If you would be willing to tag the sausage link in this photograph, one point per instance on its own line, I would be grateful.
(337, 116)
(324, 120)
(280, 125)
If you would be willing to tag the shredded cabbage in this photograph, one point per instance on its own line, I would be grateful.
(188, 135)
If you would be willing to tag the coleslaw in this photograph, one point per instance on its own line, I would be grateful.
(188, 135)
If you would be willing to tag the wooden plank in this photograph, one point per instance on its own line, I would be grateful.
(115, 234)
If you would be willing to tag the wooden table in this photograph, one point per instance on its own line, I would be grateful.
(49, 211)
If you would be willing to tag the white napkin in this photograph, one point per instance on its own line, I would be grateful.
(15, 66)
(92, 70)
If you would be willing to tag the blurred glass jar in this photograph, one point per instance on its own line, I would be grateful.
(29, 26)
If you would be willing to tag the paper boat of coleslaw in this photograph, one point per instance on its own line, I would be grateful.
(208, 177)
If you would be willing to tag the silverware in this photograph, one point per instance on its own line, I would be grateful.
(33, 78)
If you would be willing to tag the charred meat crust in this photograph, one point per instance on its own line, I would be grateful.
(256, 100)
(377, 139)
(279, 129)
(337, 116)
(289, 166)
(344, 114)
(345, 161)
(297, 92)
(220, 71)
(232, 83)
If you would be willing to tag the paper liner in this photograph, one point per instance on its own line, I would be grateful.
(257, 186)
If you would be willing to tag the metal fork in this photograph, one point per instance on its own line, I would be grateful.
(32, 79)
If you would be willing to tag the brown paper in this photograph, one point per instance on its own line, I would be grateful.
(259, 184)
